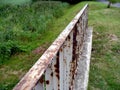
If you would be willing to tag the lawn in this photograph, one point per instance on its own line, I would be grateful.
(105, 60)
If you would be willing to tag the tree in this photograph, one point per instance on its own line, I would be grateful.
(112, 1)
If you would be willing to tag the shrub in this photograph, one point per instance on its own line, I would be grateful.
(7, 49)
(23, 24)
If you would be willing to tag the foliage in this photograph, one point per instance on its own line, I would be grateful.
(7, 49)
(112, 1)
(22, 24)
(69, 1)
(17, 2)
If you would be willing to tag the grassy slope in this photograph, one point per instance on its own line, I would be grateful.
(18, 65)
(105, 61)
(105, 64)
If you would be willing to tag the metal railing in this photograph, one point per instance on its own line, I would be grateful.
(57, 67)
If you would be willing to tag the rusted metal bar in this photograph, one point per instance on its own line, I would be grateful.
(81, 79)
(60, 61)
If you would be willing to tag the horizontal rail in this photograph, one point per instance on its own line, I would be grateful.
(56, 68)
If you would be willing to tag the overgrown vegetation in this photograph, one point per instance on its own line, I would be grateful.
(24, 28)
(111, 2)
(15, 2)
(21, 25)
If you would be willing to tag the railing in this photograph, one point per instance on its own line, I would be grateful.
(57, 67)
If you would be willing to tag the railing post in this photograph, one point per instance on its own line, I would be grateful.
(65, 63)
(49, 78)
(56, 75)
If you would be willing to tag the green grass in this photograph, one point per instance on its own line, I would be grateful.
(105, 60)
(18, 2)
(22, 26)
(26, 28)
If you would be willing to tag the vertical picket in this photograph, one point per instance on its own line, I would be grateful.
(65, 63)
(56, 77)
(49, 78)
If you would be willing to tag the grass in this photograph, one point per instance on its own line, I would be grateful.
(22, 26)
(17, 26)
(14, 1)
(105, 60)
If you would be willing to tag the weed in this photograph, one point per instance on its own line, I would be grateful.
(25, 23)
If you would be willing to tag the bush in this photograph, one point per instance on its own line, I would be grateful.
(7, 49)
(23, 24)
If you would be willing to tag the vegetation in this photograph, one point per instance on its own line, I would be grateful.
(105, 64)
(18, 2)
(105, 60)
(24, 28)
(112, 1)
(21, 25)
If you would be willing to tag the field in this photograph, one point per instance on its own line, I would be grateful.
(32, 37)
(105, 61)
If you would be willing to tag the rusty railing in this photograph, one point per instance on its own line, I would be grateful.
(57, 67)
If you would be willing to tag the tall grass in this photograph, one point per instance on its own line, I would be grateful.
(22, 24)
(22, 29)
(13, 2)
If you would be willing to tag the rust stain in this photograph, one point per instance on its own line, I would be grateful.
(74, 44)
(42, 79)
(69, 38)
(57, 66)
(61, 49)
(74, 56)
(47, 82)
(57, 69)
(51, 74)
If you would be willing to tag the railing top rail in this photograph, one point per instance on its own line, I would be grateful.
(34, 74)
